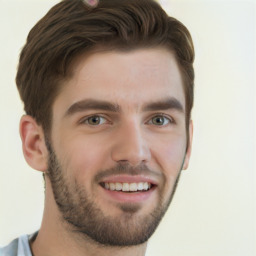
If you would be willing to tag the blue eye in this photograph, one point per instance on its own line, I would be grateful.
(160, 120)
(95, 120)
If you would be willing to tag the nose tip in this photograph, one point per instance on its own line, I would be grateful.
(133, 157)
(130, 147)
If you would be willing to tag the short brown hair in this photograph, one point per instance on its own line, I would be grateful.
(72, 28)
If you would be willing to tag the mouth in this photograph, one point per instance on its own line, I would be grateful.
(127, 187)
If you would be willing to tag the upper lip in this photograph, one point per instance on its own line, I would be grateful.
(129, 179)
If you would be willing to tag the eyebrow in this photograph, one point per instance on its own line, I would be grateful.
(89, 104)
(165, 104)
(92, 104)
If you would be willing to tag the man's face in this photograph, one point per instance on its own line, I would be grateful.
(118, 142)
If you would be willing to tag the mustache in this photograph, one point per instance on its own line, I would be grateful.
(126, 168)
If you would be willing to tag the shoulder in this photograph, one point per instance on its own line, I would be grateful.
(11, 249)
(18, 247)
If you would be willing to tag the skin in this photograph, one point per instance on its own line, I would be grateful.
(129, 135)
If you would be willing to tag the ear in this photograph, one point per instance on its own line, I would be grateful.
(33, 143)
(189, 146)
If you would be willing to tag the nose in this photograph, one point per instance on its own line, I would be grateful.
(129, 145)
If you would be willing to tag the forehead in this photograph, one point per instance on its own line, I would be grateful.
(129, 79)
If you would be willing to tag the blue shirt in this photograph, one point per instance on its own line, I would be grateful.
(18, 247)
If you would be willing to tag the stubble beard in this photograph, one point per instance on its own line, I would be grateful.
(86, 219)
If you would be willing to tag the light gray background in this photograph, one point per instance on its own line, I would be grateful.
(213, 212)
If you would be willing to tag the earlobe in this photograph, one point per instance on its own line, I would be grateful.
(33, 143)
(189, 147)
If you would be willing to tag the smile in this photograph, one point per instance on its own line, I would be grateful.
(127, 187)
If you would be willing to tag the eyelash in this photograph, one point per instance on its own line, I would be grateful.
(161, 115)
(86, 120)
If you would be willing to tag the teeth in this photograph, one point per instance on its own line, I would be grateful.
(112, 186)
(127, 187)
(140, 186)
(145, 186)
(119, 186)
(133, 187)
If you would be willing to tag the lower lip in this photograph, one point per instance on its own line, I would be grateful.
(134, 197)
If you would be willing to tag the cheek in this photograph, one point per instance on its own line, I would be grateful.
(82, 158)
(168, 155)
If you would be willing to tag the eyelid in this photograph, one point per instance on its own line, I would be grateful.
(171, 119)
(84, 120)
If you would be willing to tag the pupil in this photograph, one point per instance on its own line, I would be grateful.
(95, 120)
(158, 120)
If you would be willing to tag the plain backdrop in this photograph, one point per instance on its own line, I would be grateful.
(213, 212)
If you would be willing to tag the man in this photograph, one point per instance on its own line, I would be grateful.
(108, 91)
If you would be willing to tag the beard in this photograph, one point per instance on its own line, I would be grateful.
(84, 217)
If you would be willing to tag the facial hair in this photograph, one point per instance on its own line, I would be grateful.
(84, 217)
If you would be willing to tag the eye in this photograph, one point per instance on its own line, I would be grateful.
(95, 120)
(160, 120)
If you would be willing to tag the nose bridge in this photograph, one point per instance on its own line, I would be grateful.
(130, 145)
